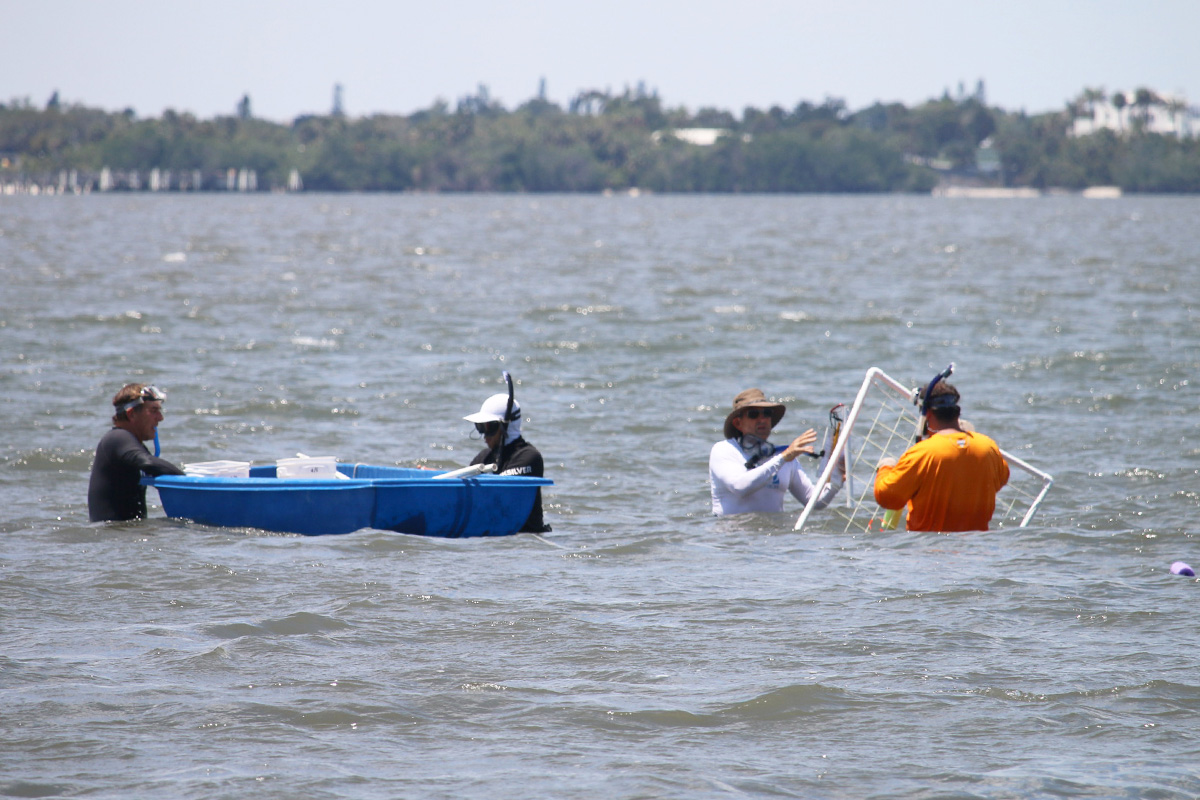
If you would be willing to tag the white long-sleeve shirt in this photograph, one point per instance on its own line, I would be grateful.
(737, 490)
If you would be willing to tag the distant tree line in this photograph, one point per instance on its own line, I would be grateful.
(606, 141)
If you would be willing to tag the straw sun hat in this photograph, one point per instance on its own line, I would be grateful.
(752, 398)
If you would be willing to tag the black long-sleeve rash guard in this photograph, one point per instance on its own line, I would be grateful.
(519, 457)
(115, 491)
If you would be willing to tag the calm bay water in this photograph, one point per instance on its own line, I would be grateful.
(644, 648)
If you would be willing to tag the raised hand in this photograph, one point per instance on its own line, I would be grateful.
(801, 444)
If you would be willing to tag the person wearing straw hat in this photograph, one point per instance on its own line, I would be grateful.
(115, 491)
(948, 479)
(749, 473)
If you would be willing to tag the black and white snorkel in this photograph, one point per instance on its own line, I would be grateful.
(925, 398)
(504, 422)
(941, 376)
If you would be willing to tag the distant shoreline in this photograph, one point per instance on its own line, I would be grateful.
(616, 143)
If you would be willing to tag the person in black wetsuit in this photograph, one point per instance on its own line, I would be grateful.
(517, 456)
(115, 491)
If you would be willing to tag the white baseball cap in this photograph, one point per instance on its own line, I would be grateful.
(493, 410)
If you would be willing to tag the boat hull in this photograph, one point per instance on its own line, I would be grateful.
(388, 498)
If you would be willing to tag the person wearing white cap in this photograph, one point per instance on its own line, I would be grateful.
(749, 473)
(498, 420)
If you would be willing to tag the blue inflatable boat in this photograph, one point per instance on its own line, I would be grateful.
(389, 498)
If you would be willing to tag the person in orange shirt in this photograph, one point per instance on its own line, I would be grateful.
(949, 479)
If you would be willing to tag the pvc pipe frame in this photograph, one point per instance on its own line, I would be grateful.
(839, 450)
(466, 472)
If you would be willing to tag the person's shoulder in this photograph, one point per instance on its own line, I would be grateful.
(923, 444)
(983, 439)
(522, 445)
(931, 447)
(722, 448)
(115, 435)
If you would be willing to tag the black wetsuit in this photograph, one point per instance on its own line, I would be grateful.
(115, 491)
(519, 457)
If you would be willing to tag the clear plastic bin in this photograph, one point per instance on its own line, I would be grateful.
(218, 469)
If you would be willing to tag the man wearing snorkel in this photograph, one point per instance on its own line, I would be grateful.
(748, 473)
(950, 476)
(115, 492)
(499, 422)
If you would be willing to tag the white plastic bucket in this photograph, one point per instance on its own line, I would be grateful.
(323, 467)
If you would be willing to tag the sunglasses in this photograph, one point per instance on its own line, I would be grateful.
(487, 428)
(755, 413)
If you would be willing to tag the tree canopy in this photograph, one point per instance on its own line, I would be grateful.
(606, 141)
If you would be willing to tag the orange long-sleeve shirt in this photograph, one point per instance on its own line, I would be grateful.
(951, 479)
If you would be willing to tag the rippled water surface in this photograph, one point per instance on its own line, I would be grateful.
(644, 648)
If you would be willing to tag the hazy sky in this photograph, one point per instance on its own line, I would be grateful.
(398, 57)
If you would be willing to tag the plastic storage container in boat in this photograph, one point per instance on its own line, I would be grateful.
(306, 467)
(219, 469)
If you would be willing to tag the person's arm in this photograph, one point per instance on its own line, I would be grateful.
(525, 460)
(727, 465)
(801, 444)
(1003, 473)
(481, 457)
(801, 487)
(538, 464)
(135, 454)
(896, 482)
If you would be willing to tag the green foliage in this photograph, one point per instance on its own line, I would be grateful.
(1155, 163)
(607, 141)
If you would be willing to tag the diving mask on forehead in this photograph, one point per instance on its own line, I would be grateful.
(941, 401)
(148, 393)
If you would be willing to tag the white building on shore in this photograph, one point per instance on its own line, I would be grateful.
(1122, 113)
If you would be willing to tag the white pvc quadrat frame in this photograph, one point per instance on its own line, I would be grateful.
(884, 421)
